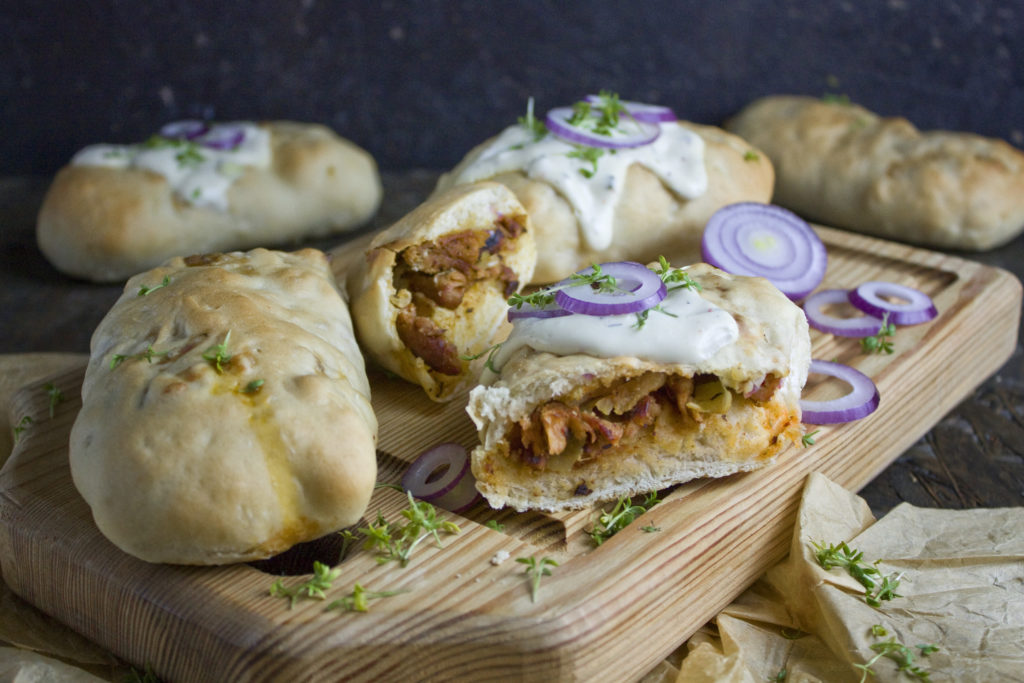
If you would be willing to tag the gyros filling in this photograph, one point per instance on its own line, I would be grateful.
(443, 273)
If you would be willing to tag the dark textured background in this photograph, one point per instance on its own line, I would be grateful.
(419, 83)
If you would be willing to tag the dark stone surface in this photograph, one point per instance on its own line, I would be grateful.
(419, 83)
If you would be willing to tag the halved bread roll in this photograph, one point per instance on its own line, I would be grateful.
(432, 289)
(117, 210)
(565, 430)
(225, 411)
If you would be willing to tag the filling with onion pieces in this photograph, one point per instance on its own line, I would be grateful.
(443, 274)
(595, 420)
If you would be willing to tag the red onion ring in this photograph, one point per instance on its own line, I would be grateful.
(646, 113)
(188, 129)
(859, 326)
(224, 137)
(861, 401)
(749, 238)
(638, 288)
(454, 486)
(868, 298)
(552, 310)
(557, 121)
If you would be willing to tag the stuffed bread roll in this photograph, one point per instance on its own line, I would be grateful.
(117, 210)
(225, 411)
(586, 408)
(642, 190)
(432, 289)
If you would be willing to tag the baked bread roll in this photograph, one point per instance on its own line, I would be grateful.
(589, 408)
(842, 165)
(646, 215)
(432, 289)
(117, 210)
(225, 411)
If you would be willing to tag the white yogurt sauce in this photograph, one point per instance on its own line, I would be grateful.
(688, 330)
(676, 157)
(199, 175)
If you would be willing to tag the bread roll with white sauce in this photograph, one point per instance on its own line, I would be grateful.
(839, 164)
(649, 219)
(225, 411)
(111, 213)
(432, 289)
(563, 431)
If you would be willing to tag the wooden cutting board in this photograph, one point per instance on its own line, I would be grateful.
(607, 612)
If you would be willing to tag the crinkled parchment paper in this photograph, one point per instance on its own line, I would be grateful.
(962, 589)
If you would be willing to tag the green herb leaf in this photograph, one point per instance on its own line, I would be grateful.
(650, 529)
(190, 155)
(315, 588)
(588, 154)
(218, 354)
(619, 517)
(531, 123)
(876, 587)
(897, 652)
(878, 343)
(675, 278)
(253, 387)
(149, 354)
(493, 524)
(145, 291)
(358, 599)
(489, 363)
(535, 570)
(807, 439)
(395, 542)
(24, 424)
(751, 155)
(56, 397)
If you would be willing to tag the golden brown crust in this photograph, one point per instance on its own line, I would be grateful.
(106, 224)
(673, 444)
(381, 293)
(650, 220)
(184, 462)
(842, 165)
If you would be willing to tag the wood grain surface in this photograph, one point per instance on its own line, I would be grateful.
(607, 612)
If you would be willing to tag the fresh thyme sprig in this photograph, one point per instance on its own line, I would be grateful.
(146, 291)
(536, 569)
(218, 354)
(358, 599)
(898, 652)
(596, 278)
(149, 354)
(876, 587)
(619, 517)
(395, 542)
(22, 425)
(56, 397)
(878, 343)
(589, 154)
(489, 363)
(531, 123)
(675, 278)
(323, 577)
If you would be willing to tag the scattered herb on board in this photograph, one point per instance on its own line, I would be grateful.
(878, 343)
(876, 587)
(650, 529)
(218, 354)
(619, 517)
(149, 354)
(22, 425)
(494, 524)
(146, 291)
(808, 439)
(323, 576)
(56, 397)
(901, 654)
(535, 570)
(397, 541)
(358, 599)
